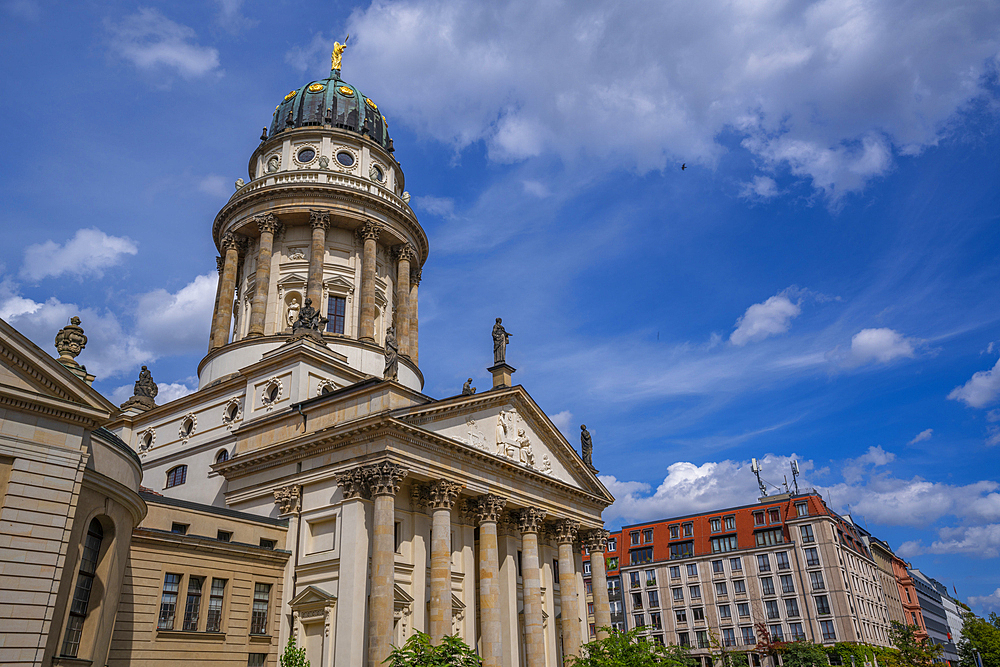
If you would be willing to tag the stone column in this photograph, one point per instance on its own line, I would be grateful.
(529, 522)
(369, 233)
(486, 510)
(383, 480)
(595, 541)
(442, 495)
(404, 253)
(352, 584)
(569, 603)
(414, 337)
(267, 225)
(219, 263)
(289, 502)
(320, 222)
(227, 289)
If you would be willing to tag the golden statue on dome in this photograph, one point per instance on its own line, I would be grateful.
(338, 52)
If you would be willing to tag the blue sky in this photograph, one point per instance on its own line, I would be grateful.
(821, 282)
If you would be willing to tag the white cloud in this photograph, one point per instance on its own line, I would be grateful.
(563, 421)
(982, 388)
(88, 253)
(926, 434)
(986, 603)
(645, 89)
(149, 40)
(231, 16)
(761, 320)
(216, 186)
(178, 323)
(975, 541)
(536, 188)
(29, 10)
(876, 346)
(303, 57)
(440, 206)
(760, 187)
(854, 469)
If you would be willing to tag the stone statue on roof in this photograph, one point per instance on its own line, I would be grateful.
(587, 448)
(143, 394)
(500, 340)
(338, 52)
(391, 371)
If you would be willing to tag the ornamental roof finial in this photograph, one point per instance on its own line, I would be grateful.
(338, 52)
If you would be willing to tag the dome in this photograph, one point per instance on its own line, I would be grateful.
(334, 103)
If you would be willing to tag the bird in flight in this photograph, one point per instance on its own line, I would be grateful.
(684, 166)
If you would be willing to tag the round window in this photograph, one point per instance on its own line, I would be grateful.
(377, 173)
(345, 158)
(306, 155)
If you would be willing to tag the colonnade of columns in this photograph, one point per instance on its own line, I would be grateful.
(382, 481)
(234, 246)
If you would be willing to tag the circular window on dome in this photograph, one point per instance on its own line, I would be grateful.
(290, 95)
(344, 90)
(316, 87)
(345, 158)
(306, 155)
(377, 174)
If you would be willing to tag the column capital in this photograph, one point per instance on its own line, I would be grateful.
(229, 241)
(219, 264)
(485, 508)
(384, 477)
(529, 520)
(319, 218)
(565, 530)
(370, 230)
(351, 483)
(404, 251)
(596, 539)
(288, 499)
(415, 276)
(442, 494)
(266, 222)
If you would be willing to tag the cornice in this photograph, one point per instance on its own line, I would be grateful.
(123, 495)
(189, 543)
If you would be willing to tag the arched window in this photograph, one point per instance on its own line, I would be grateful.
(187, 427)
(84, 584)
(177, 476)
(222, 456)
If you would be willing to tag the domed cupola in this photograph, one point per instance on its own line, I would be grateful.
(331, 102)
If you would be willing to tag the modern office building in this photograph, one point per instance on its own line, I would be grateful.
(940, 614)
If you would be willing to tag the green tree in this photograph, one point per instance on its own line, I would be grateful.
(418, 651)
(626, 649)
(982, 635)
(803, 654)
(293, 656)
(913, 652)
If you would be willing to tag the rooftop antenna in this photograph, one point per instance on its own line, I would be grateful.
(786, 484)
(755, 466)
(795, 475)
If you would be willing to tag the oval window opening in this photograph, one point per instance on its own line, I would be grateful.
(272, 393)
(345, 158)
(377, 173)
(307, 155)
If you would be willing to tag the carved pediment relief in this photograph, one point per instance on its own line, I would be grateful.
(292, 279)
(312, 605)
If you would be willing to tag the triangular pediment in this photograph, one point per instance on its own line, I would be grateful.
(509, 425)
(456, 603)
(400, 596)
(339, 281)
(311, 596)
(36, 381)
(292, 279)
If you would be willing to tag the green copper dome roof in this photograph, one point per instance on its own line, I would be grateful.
(331, 102)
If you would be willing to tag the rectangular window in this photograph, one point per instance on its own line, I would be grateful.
(692, 570)
(675, 532)
(728, 637)
(787, 584)
(256, 659)
(688, 529)
(822, 605)
(84, 585)
(681, 615)
(656, 621)
(802, 509)
(589, 587)
(593, 630)
(718, 567)
(763, 563)
(829, 634)
(637, 600)
(681, 550)
(640, 620)
(695, 591)
(702, 636)
(735, 564)
(782, 558)
(758, 518)
(715, 525)
(612, 544)
(335, 314)
(647, 535)
(807, 534)
(740, 586)
(682, 639)
(267, 544)
(555, 570)
(675, 571)
(795, 630)
(586, 566)
(261, 600)
(730, 523)
(771, 608)
(812, 557)
(193, 605)
(720, 590)
(634, 536)
(724, 544)
(776, 634)
(179, 528)
(654, 599)
(650, 577)
(224, 536)
(638, 556)
(215, 599)
(767, 585)
(792, 608)
(743, 609)
(678, 594)
(766, 538)
(774, 515)
(168, 602)
(698, 613)
(748, 638)
(816, 579)
(658, 639)
(634, 579)
(725, 611)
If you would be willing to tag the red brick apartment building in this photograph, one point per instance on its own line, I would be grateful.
(713, 578)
